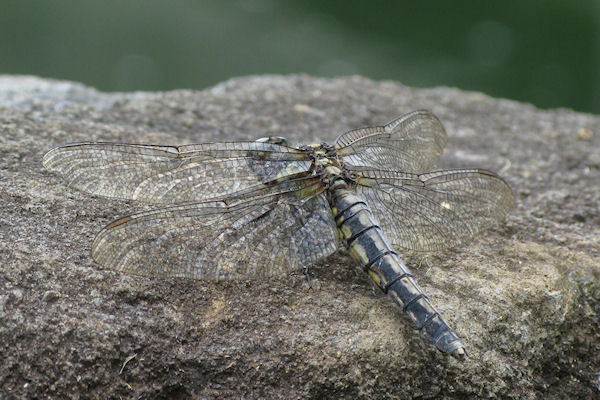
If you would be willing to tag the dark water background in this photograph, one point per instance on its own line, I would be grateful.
(543, 52)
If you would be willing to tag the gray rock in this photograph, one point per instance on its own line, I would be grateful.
(524, 296)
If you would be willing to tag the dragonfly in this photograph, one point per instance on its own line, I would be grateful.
(260, 209)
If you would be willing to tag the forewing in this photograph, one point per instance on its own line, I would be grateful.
(169, 174)
(258, 237)
(436, 210)
(412, 143)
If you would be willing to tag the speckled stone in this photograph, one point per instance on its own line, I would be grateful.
(524, 296)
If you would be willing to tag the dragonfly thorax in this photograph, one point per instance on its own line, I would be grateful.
(328, 166)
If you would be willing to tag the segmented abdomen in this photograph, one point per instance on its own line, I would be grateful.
(364, 239)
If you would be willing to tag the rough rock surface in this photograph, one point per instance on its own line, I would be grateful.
(525, 296)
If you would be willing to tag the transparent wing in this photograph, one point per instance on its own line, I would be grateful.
(258, 237)
(169, 174)
(412, 143)
(436, 210)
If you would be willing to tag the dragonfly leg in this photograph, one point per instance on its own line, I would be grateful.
(306, 272)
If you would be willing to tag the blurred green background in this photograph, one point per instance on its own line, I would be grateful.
(543, 52)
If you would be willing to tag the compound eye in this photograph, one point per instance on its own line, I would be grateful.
(274, 139)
